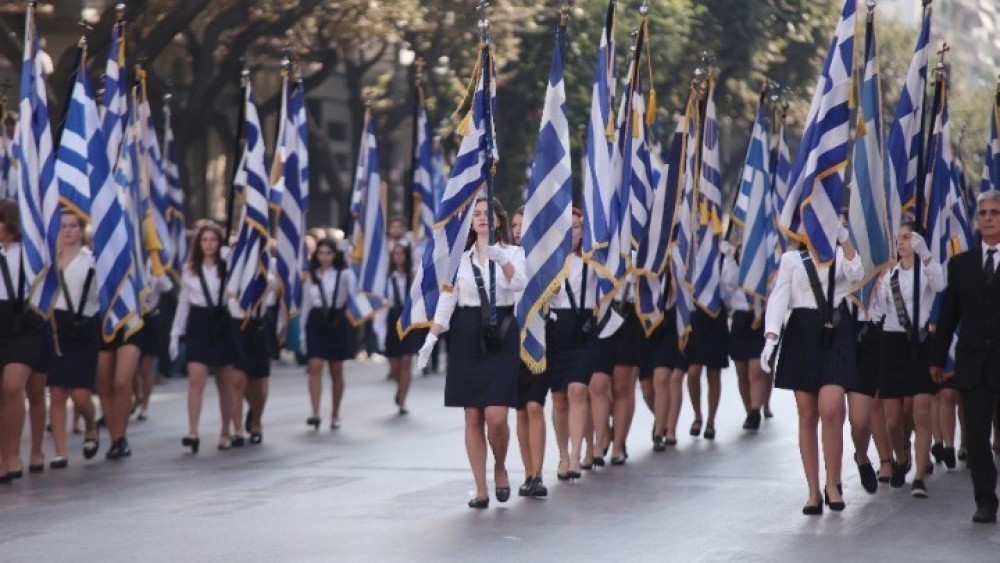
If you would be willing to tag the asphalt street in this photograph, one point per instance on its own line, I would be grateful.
(394, 488)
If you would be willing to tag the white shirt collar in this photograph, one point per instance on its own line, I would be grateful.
(996, 256)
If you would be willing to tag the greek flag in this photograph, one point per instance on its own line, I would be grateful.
(302, 150)
(8, 174)
(249, 263)
(905, 142)
(940, 189)
(423, 187)
(291, 220)
(115, 102)
(129, 175)
(963, 209)
(117, 268)
(72, 162)
(156, 228)
(870, 200)
(991, 162)
(439, 177)
(811, 211)
(175, 194)
(781, 183)
(38, 200)
(753, 212)
(440, 260)
(598, 182)
(682, 253)
(370, 244)
(653, 257)
(709, 198)
(548, 222)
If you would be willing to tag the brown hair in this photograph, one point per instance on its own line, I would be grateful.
(577, 212)
(11, 218)
(196, 257)
(501, 227)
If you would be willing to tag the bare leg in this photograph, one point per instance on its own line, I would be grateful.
(37, 413)
(475, 447)
(714, 394)
(661, 401)
(405, 376)
(126, 364)
(256, 394)
(15, 379)
(578, 416)
(498, 435)
(560, 425)
(337, 374)
(197, 376)
(758, 384)
(524, 441)
(536, 436)
(946, 417)
(676, 398)
(57, 412)
(860, 413)
(147, 372)
(743, 383)
(832, 414)
(600, 406)
(238, 381)
(894, 428)
(881, 438)
(922, 429)
(624, 406)
(224, 384)
(808, 407)
(315, 370)
(694, 390)
(648, 393)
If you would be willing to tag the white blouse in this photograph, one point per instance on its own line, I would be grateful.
(931, 283)
(75, 276)
(792, 289)
(192, 295)
(396, 289)
(327, 280)
(12, 255)
(734, 296)
(465, 292)
(560, 299)
(158, 287)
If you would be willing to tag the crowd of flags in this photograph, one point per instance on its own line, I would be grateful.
(653, 221)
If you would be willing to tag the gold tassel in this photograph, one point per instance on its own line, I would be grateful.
(651, 108)
(465, 126)
(636, 125)
(610, 131)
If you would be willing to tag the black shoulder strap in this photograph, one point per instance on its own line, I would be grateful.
(817, 288)
(484, 299)
(87, 282)
(7, 280)
(396, 301)
(204, 287)
(336, 290)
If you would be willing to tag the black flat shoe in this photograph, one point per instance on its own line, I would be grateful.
(948, 456)
(113, 454)
(238, 441)
(709, 432)
(525, 489)
(898, 478)
(670, 441)
(59, 463)
(985, 516)
(313, 421)
(659, 444)
(618, 460)
(587, 466)
(15, 474)
(574, 474)
(813, 509)
(869, 480)
(598, 462)
(696, 428)
(192, 442)
(503, 493)
(563, 476)
(124, 448)
(752, 421)
(538, 489)
(256, 438)
(937, 450)
(963, 454)
(836, 506)
(90, 448)
(4, 479)
(768, 413)
(479, 503)
(32, 468)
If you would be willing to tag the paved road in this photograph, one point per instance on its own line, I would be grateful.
(389, 488)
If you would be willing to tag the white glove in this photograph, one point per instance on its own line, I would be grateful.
(725, 248)
(424, 354)
(497, 254)
(843, 234)
(920, 247)
(175, 348)
(765, 356)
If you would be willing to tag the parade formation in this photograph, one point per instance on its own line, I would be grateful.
(858, 273)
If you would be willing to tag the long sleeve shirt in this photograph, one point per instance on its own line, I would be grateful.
(734, 296)
(792, 289)
(326, 281)
(12, 255)
(560, 299)
(397, 289)
(192, 295)
(931, 283)
(465, 292)
(75, 277)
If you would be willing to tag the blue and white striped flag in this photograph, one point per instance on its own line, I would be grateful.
(682, 253)
(439, 176)
(72, 162)
(423, 186)
(754, 212)
(905, 142)
(940, 191)
(440, 261)
(129, 175)
(870, 199)
(118, 269)
(175, 194)
(157, 239)
(371, 252)
(991, 161)
(811, 213)
(249, 263)
(781, 183)
(598, 180)
(38, 199)
(114, 108)
(709, 209)
(960, 226)
(291, 220)
(546, 233)
(653, 255)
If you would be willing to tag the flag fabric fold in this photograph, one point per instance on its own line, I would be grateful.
(991, 161)
(423, 186)
(709, 215)
(175, 195)
(754, 212)
(291, 220)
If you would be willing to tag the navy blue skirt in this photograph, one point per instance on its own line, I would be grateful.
(79, 343)
(746, 342)
(905, 369)
(805, 363)
(477, 378)
(329, 337)
(708, 344)
(255, 347)
(210, 338)
(22, 341)
(869, 355)
(148, 338)
(396, 348)
(569, 353)
(674, 358)
(626, 347)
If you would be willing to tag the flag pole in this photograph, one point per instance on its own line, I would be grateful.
(918, 212)
(488, 147)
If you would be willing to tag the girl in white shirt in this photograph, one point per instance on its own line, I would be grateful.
(482, 360)
(203, 317)
(746, 338)
(400, 351)
(817, 359)
(73, 372)
(905, 375)
(329, 336)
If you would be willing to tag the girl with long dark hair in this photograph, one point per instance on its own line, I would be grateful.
(400, 350)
